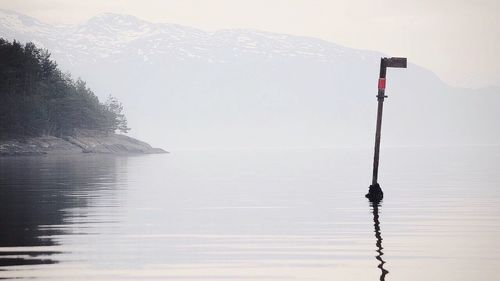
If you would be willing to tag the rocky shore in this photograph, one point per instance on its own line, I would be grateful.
(81, 142)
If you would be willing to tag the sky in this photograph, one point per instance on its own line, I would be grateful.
(458, 40)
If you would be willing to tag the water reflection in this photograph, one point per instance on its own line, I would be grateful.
(375, 204)
(246, 215)
(37, 195)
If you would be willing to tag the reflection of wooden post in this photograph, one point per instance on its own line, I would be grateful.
(378, 235)
(375, 192)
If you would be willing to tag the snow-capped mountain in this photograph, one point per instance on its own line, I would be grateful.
(110, 35)
(184, 87)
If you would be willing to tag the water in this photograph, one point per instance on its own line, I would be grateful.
(252, 215)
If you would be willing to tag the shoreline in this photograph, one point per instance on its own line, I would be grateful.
(84, 141)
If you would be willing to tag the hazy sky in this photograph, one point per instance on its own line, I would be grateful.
(459, 40)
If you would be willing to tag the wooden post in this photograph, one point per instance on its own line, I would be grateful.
(380, 97)
(375, 191)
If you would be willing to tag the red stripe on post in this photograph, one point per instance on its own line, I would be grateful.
(381, 83)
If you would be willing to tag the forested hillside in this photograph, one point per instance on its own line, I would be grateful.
(38, 99)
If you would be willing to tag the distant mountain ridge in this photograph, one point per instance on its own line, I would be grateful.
(102, 35)
(185, 88)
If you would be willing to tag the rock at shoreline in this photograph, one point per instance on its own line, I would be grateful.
(85, 141)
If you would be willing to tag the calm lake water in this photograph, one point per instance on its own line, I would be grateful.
(252, 215)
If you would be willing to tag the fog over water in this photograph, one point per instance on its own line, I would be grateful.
(252, 215)
(184, 88)
(271, 140)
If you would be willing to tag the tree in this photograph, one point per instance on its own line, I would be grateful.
(115, 107)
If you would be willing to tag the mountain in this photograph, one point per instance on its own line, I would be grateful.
(186, 88)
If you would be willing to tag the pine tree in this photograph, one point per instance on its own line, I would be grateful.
(115, 107)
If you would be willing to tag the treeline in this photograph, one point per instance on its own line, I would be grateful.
(36, 98)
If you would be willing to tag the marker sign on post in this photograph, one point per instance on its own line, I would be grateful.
(396, 62)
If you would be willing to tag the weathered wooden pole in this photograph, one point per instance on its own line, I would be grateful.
(380, 97)
(375, 192)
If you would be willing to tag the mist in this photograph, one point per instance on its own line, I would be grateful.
(184, 88)
(138, 150)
